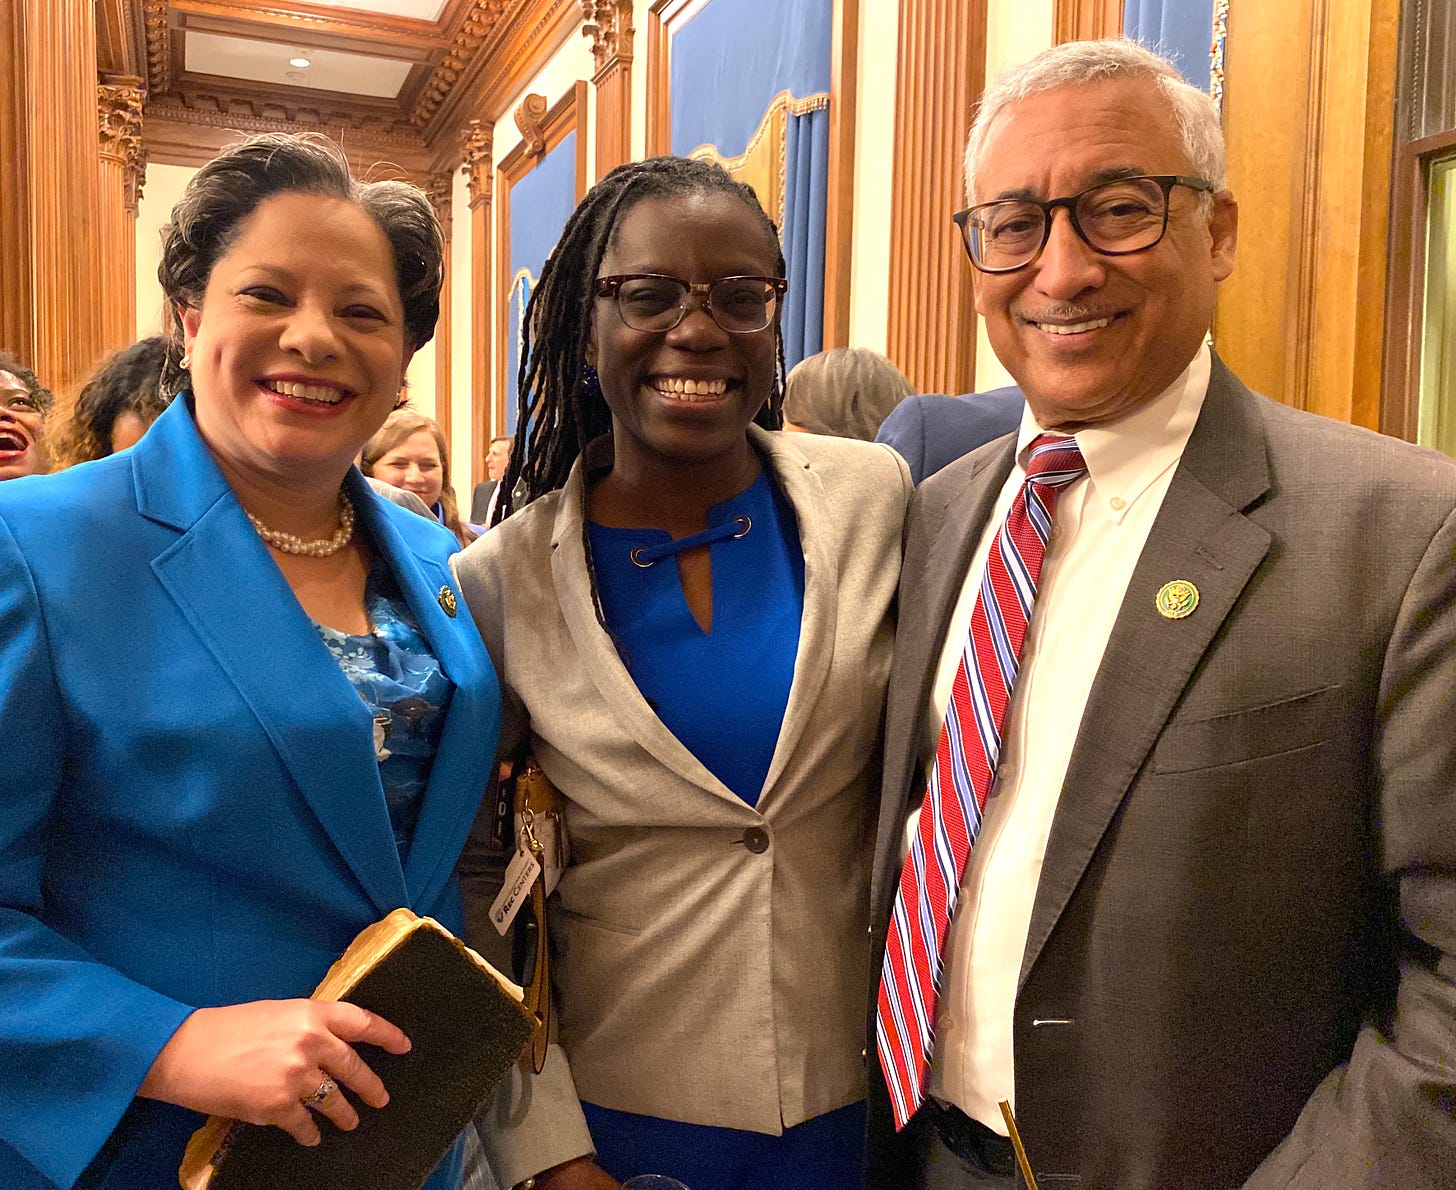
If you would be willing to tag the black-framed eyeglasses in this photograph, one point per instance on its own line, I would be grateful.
(656, 302)
(1114, 218)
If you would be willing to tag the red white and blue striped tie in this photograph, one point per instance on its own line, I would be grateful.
(965, 765)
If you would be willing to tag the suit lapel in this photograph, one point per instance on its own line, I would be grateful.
(947, 517)
(803, 490)
(1200, 535)
(458, 772)
(240, 608)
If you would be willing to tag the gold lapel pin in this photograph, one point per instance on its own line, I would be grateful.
(447, 601)
(1177, 599)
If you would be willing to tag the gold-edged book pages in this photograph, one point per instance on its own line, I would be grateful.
(466, 1025)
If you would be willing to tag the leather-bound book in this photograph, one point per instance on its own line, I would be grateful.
(466, 1025)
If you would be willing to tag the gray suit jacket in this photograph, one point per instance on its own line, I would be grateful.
(1241, 967)
(700, 978)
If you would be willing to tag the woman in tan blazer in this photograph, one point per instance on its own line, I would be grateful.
(692, 616)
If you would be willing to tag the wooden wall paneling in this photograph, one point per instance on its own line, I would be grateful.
(440, 187)
(476, 145)
(541, 132)
(1308, 114)
(119, 114)
(16, 261)
(609, 25)
(839, 216)
(932, 321)
(1086, 20)
(1405, 303)
(662, 19)
(63, 185)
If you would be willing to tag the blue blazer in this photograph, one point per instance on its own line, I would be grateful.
(190, 807)
(932, 430)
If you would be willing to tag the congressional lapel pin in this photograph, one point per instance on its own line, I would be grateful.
(1177, 599)
(447, 601)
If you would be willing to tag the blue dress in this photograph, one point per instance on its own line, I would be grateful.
(723, 694)
(399, 678)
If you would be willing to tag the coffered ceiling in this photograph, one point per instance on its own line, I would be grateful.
(392, 80)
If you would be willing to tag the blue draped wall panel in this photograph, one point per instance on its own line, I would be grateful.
(540, 202)
(727, 64)
(1180, 29)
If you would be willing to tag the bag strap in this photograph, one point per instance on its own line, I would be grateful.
(536, 796)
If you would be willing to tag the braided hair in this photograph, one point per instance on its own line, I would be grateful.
(557, 414)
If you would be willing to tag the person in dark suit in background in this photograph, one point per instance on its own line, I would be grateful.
(1189, 789)
(932, 430)
(497, 456)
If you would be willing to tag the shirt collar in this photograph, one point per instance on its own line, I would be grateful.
(1126, 456)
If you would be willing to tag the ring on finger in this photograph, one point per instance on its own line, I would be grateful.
(320, 1096)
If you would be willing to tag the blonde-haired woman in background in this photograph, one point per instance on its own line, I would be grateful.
(409, 452)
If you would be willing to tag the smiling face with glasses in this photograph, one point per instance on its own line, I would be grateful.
(1098, 300)
(684, 331)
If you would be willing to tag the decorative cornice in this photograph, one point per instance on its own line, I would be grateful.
(159, 48)
(609, 25)
(379, 127)
(477, 23)
(530, 118)
(440, 189)
(476, 144)
(119, 121)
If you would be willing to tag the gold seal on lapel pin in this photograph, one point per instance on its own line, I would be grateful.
(1177, 599)
(447, 601)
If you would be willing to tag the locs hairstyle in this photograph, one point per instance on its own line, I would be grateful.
(229, 188)
(557, 415)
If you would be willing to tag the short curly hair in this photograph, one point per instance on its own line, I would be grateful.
(44, 398)
(230, 187)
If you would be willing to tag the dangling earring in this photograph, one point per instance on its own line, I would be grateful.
(591, 384)
(185, 362)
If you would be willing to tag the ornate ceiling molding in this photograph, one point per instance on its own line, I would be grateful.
(439, 187)
(609, 25)
(476, 25)
(252, 112)
(159, 46)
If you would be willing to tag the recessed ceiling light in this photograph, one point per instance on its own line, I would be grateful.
(300, 62)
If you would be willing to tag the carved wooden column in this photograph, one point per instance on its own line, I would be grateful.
(439, 187)
(476, 143)
(49, 188)
(123, 172)
(609, 25)
(942, 66)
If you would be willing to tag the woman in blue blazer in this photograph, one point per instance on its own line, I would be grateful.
(244, 720)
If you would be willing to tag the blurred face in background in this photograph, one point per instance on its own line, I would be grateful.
(497, 458)
(21, 425)
(415, 466)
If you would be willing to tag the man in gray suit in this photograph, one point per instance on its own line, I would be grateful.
(1205, 935)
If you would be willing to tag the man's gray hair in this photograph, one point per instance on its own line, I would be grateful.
(1077, 62)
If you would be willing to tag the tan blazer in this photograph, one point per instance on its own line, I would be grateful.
(700, 978)
(1241, 967)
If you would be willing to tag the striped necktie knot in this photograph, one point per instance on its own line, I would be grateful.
(1054, 460)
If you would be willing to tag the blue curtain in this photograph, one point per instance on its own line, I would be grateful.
(806, 205)
(1180, 29)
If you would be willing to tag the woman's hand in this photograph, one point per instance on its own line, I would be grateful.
(258, 1062)
(581, 1174)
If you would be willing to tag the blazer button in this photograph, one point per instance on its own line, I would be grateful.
(755, 838)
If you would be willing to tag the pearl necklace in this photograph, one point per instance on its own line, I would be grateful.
(290, 543)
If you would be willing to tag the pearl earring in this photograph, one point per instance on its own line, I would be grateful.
(185, 362)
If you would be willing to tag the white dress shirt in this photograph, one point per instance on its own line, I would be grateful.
(1100, 527)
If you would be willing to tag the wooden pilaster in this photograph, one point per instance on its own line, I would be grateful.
(609, 25)
(439, 187)
(932, 323)
(123, 172)
(476, 144)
